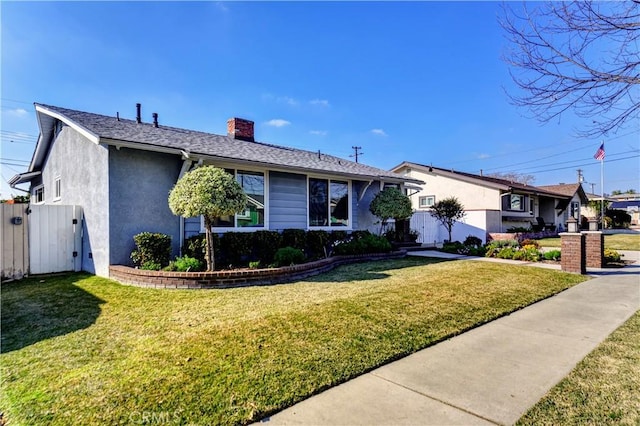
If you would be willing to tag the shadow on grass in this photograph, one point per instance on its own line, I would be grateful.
(370, 270)
(36, 309)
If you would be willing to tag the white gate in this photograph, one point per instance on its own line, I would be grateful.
(427, 226)
(55, 238)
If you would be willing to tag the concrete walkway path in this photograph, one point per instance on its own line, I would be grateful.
(489, 375)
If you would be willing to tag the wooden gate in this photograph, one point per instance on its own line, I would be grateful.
(427, 226)
(55, 238)
(14, 241)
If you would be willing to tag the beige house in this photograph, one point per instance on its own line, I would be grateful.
(492, 204)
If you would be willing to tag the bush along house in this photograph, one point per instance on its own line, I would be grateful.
(120, 172)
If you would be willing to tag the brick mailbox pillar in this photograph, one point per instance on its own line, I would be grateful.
(594, 249)
(572, 247)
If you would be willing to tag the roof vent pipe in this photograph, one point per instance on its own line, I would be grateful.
(155, 119)
(138, 116)
(117, 115)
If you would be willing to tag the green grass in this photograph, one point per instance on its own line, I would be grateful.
(86, 350)
(603, 389)
(613, 241)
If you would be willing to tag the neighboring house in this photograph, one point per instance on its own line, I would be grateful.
(590, 212)
(571, 206)
(121, 171)
(632, 207)
(491, 204)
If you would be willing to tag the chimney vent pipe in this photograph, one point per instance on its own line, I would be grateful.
(138, 116)
(155, 119)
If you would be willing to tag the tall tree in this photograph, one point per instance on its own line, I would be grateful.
(209, 192)
(579, 55)
(514, 177)
(448, 211)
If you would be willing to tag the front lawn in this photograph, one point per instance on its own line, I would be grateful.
(78, 349)
(613, 241)
(604, 388)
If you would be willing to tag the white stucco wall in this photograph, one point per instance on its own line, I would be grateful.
(472, 196)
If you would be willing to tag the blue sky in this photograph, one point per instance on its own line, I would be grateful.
(415, 81)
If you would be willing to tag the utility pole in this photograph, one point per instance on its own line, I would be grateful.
(580, 177)
(357, 152)
(593, 188)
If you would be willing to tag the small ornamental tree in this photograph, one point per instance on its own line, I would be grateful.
(448, 211)
(211, 192)
(390, 203)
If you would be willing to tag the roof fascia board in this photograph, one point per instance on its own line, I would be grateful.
(302, 170)
(84, 132)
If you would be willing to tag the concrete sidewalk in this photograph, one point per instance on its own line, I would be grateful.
(489, 375)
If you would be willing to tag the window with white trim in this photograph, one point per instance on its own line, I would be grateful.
(426, 201)
(575, 209)
(57, 189)
(253, 216)
(38, 195)
(328, 202)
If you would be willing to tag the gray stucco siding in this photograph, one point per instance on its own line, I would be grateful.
(82, 167)
(139, 185)
(287, 201)
(362, 216)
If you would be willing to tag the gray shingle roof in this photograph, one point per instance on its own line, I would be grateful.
(212, 145)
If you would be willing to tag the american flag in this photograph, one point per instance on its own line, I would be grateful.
(599, 155)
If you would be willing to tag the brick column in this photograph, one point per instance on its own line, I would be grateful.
(594, 249)
(572, 248)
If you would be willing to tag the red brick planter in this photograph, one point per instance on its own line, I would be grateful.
(236, 278)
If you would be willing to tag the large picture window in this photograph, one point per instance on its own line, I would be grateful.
(514, 202)
(253, 184)
(328, 202)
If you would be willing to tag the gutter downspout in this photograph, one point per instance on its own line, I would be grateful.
(186, 165)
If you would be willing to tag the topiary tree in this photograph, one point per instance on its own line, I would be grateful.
(448, 211)
(390, 203)
(211, 192)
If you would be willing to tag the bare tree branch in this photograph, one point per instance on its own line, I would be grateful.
(581, 56)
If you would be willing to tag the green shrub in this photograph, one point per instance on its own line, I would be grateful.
(236, 248)
(518, 229)
(506, 253)
(530, 253)
(472, 241)
(364, 244)
(296, 238)
(286, 256)
(153, 250)
(151, 266)
(254, 265)
(265, 245)
(552, 255)
(611, 256)
(477, 251)
(318, 244)
(188, 264)
(455, 247)
(336, 236)
(619, 218)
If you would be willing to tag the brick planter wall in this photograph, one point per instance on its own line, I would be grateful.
(236, 278)
(573, 256)
(594, 249)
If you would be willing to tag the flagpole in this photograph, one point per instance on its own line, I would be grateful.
(602, 190)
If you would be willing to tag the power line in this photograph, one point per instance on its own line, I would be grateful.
(572, 161)
(541, 158)
(585, 164)
(356, 154)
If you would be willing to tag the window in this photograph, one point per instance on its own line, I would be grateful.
(575, 209)
(38, 195)
(426, 201)
(516, 202)
(328, 202)
(57, 189)
(253, 184)
(532, 205)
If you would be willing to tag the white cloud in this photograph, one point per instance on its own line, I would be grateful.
(320, 102)
(483, 156)
(378, 132)
(318, 132)
(278, 122)
(18, 112)
(288, 100)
